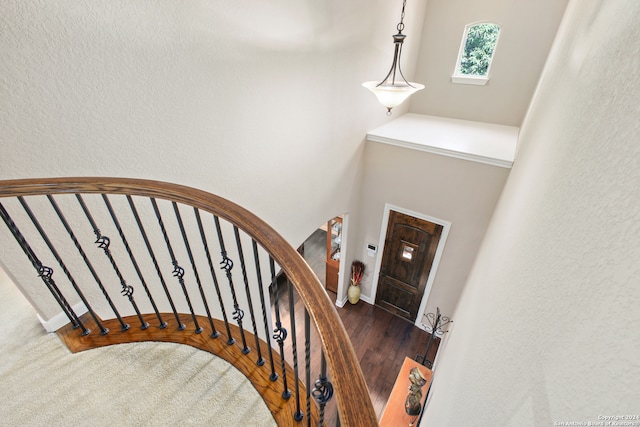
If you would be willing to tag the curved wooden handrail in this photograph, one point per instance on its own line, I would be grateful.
(348, 380)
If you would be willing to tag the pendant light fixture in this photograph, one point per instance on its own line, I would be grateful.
(394, 89)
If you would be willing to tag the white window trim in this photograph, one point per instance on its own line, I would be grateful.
(468, 79)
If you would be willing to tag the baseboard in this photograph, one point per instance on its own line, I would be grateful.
(367, 299)
(342, 303)
(60, 319)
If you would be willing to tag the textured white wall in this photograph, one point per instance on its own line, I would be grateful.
(257, 102)
(528, 29)
(260, 103)
(547, 327)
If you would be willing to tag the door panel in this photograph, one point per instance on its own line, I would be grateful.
(397, 296)
(409, 249)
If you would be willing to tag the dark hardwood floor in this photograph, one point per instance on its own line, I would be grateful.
(381, 340)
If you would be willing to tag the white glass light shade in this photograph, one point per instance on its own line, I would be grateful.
(392, 95)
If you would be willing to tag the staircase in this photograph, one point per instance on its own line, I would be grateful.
(129, 260)
(141, 384)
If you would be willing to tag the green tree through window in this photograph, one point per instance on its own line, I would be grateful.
(478, 49)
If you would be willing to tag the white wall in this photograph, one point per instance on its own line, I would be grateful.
(528, 29)
(260, 103)
(547, 328)
(257, 102)
(461, 192)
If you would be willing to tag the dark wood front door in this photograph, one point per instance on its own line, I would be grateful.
(409, 249)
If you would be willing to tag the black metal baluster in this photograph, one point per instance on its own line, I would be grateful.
(323, 389)
(227, 265)
(178, 271)
(44, 272)
(163, 324)
(103, 243)
(307, 361)
(124, 326)
(279, 333)
(66, 271)
(260, 360)
(214, 333)
(267, 334)
(155, 264)
(292, 318)
(43, 234)
(213, 276)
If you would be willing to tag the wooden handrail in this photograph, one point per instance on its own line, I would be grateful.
(347, 377)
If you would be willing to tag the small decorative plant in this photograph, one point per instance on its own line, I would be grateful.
(357, 271)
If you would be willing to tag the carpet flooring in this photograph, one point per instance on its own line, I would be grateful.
(143, 384)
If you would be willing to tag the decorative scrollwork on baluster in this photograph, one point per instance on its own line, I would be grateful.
(227, 264)
(103, 242)
(127, 291)
(280, 334)
(45, 272)
(49, 282)
(322, 392)
(238, 315)
(178, 271)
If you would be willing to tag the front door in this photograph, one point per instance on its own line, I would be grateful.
(409, 249)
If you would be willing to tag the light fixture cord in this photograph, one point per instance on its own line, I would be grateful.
(400, 26)
(397, 40)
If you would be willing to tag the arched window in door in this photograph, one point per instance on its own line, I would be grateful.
(476, 53)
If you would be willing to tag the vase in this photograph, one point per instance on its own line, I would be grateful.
(353, 293)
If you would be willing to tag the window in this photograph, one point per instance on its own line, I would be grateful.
(476, 52)
(408, 250)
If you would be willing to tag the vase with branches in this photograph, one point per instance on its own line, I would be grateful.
(357, 272)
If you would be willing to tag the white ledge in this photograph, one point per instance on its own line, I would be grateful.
(474, 141)
(470, 80)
